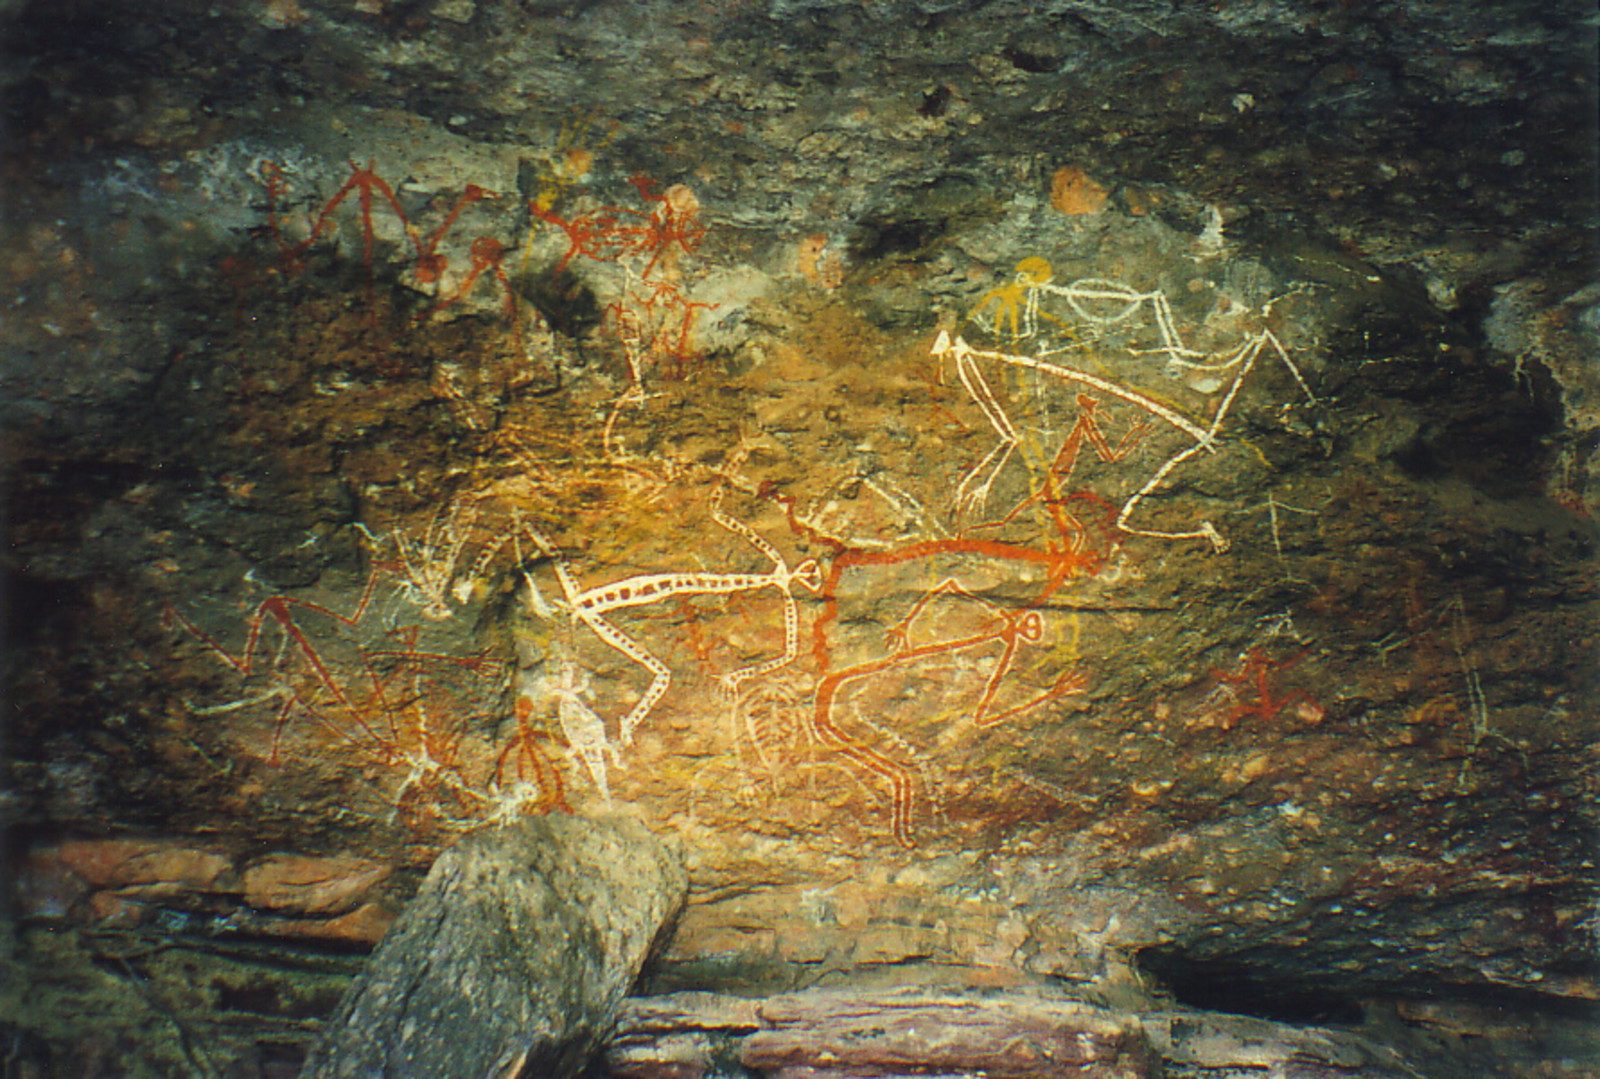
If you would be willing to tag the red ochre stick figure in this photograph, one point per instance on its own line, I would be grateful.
(1072, 557)
(279, 610)
(650, 327)
(488, 256)
(596, 235)
(1052, 493)
(523, 762)
(431, 264)
(1012, 628)
(404, 709)
(614, 233)
(1061, 563)
(1254, 677)
(675, 220)
(425, 701)
(277, 185)
(1008, 628)
(364, 183)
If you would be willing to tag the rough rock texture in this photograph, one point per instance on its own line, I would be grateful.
(1096, 493)
(513, 957)
(924, 1034)
(127, 884)
(1195, 1045)
(862, 1033)
(854, 1032)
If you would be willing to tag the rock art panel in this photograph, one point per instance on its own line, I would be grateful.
(612, 513)
(946, 487)
(1074, 383)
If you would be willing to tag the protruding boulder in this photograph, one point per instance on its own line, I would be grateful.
(513, 958)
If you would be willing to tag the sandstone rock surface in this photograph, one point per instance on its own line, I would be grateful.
(1096, 492)
(865, 1033)
(319, 887)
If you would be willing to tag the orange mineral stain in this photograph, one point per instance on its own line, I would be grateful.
(1073, 192)
(820, 264)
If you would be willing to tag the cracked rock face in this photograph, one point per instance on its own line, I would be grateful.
(1017, 492)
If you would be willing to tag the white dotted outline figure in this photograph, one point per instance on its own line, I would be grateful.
(590, 606)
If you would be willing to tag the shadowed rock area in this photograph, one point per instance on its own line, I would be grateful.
(1067, 501)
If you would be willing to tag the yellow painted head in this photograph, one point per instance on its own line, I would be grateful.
(1035, 270)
